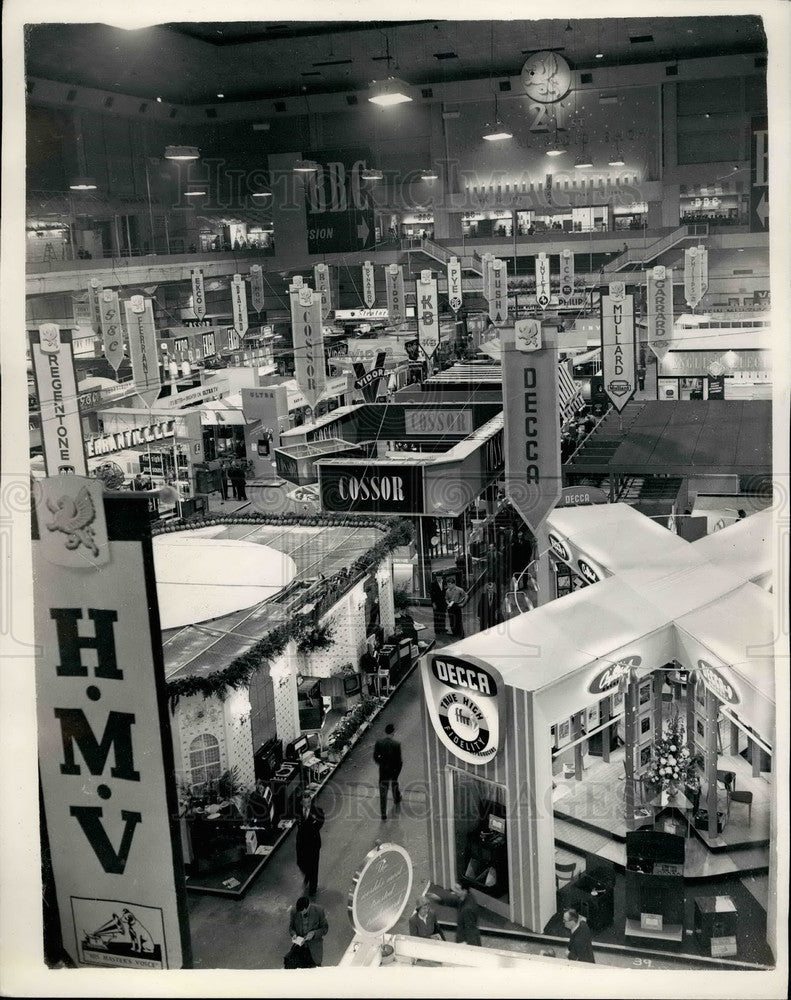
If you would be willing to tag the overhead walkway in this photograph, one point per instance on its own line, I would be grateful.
(640, 256)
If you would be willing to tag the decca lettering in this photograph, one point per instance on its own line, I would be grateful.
(532, 474)
(464, 676)
(372, 488)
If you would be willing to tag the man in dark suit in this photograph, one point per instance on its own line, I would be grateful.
(387, 754)
(580, 942)
(310, 820)
(489, 613)
(307, 925)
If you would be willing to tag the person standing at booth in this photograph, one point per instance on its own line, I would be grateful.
(456, 599)
(439, 606)
(489, 613)
(580, 942)
(309, 823)
(387, 754)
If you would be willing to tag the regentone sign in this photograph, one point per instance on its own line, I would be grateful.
(376, 488)
(464, 699)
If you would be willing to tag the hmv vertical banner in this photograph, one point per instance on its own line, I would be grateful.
(105, 750)
(660, 310)
(198, 293)
(566, 276)
(543, 292)
(498, 304)
(142, 342)
(112, 330)
(239, 304)
(394, 279)
(427, 313)
(617, 345)
(56, 387)
(321, 282)
(257, 287)
(369, 284)
(533, 479)
(309, 363)
(454, 284)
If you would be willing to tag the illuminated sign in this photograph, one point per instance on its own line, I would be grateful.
(105, 444)
(464, 700)
(587, 571)
(558, 547)
(445, 421)
(716, 683)
(614, 674)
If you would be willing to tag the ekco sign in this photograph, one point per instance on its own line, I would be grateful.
(105, 755)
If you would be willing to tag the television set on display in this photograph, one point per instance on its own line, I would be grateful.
(496, 823)
(352, 685)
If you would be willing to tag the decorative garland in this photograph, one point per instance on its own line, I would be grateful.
(239, 671)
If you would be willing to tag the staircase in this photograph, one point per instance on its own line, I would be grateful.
(594, 454)
(644, 255)
(440, 253)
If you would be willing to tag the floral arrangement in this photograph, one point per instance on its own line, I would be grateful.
(320, 636)
(673, 763)
(350, 723)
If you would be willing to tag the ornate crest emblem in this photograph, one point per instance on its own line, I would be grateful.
(72, 524)
(74, 516)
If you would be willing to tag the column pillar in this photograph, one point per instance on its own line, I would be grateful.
(284, 682)
(710, 761)
(604, 717)
(631, 699)
(576, 732)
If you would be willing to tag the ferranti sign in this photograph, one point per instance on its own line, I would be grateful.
(464, 699)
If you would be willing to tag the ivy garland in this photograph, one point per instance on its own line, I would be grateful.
(238, 672)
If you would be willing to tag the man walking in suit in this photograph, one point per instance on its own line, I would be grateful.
(489, 613)
(387, 754)
(309, 823)
(307, 925)
(580, 942)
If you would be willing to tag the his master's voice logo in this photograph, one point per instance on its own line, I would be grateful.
(71, 521)
(112, 933)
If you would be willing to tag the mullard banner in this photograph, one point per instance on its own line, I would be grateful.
(56, 389)
(533, 479)
(394, 280)
(369, 284)
(142, 343)
(465, 700)
(660, 310)
(426, 308)
(454, 284)
(105, 752)
(239, 304)
(306, 324)
(198, 293)
(617, 345)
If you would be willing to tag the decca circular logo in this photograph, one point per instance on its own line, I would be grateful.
(465, 724)
(588, 572)
(558, 547)
(463, 698)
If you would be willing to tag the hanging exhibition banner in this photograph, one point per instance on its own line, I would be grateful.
(695, 263)
(94, 295)
(660, 310)
(543, 293)
(759, 174)
(454, 284)
(112, 330)
(239, 304)
(369, 285)
(566, 277)
(617, 345)
(56, 388)
(486, 266)
(533, 479)
(257, 287)
(306, 324)
(105, 750)
(426, 309)
(394, 279)
(498, 303)
(198, 293)
(367, 380)
(321, 282)
(142, 342)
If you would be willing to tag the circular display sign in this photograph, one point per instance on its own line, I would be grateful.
(546, 77)
(381, 889)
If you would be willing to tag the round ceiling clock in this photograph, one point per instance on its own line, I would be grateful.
(546, 77)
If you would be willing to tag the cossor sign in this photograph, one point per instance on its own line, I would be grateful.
(464, 700)
(105, 751)
(308, 333)
(386, 488)
(442, 421)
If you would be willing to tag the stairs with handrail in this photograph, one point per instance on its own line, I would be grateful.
(440, 253)
(643, 255)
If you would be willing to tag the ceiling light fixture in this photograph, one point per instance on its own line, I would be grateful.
(497, 130)
(583, 162)
(616, 161)
(221, 95)
(389, 92)
(82, 184)
(262, 194)
(371, 174)
(182, 153)
(193, 194)
(599, 55)
(305, 166)
(429, 175)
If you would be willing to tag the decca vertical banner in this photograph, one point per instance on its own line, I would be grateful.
(142, 342)
(239, 304)
(566, 276)
(257, 287)
(498, 304)
(112, 329)
(426, 309)
(321, 279)
(56, 389)
(543, 291)
(105, 752)
(454, 284)
(369, 284)
(660, 310)
(617, 345)
(533, 479)
(394, 280)
(308, 336)
(696, 274)
(198, 293)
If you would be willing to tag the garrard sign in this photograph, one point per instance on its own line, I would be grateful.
(464, 699)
